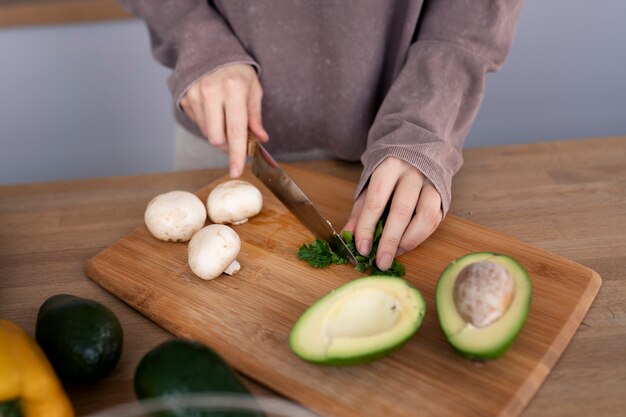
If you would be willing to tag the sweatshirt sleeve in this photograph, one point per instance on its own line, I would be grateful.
(432, 103)
(189, 36)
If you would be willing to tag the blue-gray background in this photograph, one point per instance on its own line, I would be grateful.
(88, 100)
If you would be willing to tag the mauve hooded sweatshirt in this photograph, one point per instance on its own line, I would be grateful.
(363, 79)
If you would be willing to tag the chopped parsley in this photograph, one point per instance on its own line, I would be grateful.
(319, 254)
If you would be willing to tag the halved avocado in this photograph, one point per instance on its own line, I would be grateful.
(494, 339)
(360, 321)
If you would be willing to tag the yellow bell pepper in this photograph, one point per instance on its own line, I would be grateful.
(27, 377)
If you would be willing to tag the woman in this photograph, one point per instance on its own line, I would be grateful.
(396, 84)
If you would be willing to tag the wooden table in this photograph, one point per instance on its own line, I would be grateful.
(50, 12)
(568, 197)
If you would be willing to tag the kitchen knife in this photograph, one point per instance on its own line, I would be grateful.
(284, 187)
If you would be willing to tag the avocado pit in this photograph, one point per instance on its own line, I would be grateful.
(483, 300)
(483, 292)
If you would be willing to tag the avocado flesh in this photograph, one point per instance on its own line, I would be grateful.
(492, 341)
(358, 322)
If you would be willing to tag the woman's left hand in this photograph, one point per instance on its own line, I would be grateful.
(415, 211)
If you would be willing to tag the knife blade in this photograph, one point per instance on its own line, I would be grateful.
(266, 169)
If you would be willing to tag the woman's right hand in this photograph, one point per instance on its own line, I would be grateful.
(225, 104)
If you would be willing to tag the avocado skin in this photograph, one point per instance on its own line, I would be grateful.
(357, 360)
(494, 354)
(183, 366)
(82, 338)
(10, 408)
(499, 350)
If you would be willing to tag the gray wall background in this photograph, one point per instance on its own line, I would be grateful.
(88, 100)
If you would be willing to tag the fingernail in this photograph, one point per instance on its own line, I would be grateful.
(385, 261)
(364, 247)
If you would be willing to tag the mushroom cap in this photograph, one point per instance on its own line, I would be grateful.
(175, 216)
(234, 202)
(212, 250)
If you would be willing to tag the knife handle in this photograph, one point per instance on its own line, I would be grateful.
(253, 140)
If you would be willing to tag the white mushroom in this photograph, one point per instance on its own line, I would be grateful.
(212, 251)
(175, 216)
(234, 202)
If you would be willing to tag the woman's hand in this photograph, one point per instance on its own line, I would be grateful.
(414, 215)
(224, 105)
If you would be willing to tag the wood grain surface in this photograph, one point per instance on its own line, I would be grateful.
(567, 197)
(48, 12)
(247, 318)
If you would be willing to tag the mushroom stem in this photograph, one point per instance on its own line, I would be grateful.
(233, 268)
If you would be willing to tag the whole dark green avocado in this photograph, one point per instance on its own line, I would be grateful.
(182, 366)
(10, 409)
(82, 338)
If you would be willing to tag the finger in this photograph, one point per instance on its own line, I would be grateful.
(354, 214)
(186, 106)
(255, 120)
(189, 100)
(403, 206)
(214, 118)
(427, 217)
(236, 111)
(192, 106)
(378, 192)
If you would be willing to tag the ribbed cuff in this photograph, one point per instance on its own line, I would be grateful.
(431, 170)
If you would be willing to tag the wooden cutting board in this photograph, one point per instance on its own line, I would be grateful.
(247, 317)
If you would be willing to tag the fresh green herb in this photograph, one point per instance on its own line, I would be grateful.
(319, 254)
